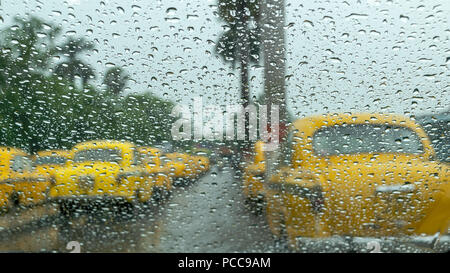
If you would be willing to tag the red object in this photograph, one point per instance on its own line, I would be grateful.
(282, 131)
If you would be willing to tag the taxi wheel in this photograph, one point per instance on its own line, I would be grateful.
(277, 225)
(181, 182)
(66, 208)
(129, 209)
(166, 194)
(138, 204)
(255, 205)
(156, 195)
(160, 195)
(282, 242)
(13, 201)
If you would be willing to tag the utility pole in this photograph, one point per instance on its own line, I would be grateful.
(274, 51)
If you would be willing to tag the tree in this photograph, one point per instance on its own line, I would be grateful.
(240, 43)
(40, 110)
(144, 119)
(115, 80)
(74, 67)
(26, 49)
(48, 119)
(3, 64)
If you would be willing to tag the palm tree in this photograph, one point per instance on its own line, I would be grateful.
(240, 43)
(23, 56)
(3, 65)
(74, 67)
(24, 63)
(115, 80)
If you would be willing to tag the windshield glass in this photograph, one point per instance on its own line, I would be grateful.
(179, 159)
(366, 138)
(149, 158)
(101, 155)
(158, 105)
(50, 160)
(165, 160)
(21, 164)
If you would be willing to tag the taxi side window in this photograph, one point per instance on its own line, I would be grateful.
(21, 164)
(136, 158)
(164, 160)
(151, 159)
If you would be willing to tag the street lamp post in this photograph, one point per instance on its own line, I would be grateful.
(274, 50)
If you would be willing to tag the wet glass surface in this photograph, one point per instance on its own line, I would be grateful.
(153, 126)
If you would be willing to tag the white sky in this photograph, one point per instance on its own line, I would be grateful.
(352, 55)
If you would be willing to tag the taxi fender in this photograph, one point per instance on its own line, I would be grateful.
(302, 200)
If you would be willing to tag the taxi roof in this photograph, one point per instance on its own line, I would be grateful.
(103, 143)
(11, 150)
(63, 153)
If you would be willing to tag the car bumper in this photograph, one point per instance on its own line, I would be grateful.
(93, 198)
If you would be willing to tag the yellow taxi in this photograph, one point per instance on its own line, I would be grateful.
(253, 175)
(201, 163)
(357, 175)
(180, 166)
(18, 184)
(47, 162)
(153, 160)
(102, 170)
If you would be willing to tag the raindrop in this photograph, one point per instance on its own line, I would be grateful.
(121, 10)
(308, 23)
(404, 18)
(357, 16)
(135, 8)
(171, 11)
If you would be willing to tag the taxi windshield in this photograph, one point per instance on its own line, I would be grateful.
(366, 138)
(21, 163)
(101, 155)
(50, 160)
